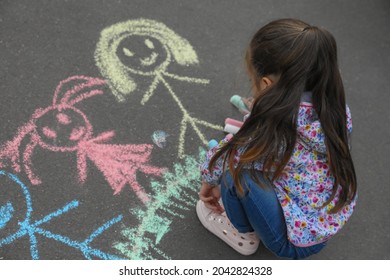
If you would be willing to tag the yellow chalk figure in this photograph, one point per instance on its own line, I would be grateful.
(144, 47)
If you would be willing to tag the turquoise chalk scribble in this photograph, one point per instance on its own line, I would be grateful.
(31, 229)
(175, 195)
(6, 213)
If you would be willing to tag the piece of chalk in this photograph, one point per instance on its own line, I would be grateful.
(236, 100)
(233, 122)
(212, 143)
(229, 137)
(231, 128)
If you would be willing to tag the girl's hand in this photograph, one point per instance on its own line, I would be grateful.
(210, 195)
(248, 101)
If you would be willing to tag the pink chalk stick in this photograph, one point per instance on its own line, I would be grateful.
(229, 137)
(233, 122)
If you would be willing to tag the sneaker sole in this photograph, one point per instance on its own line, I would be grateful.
(226, 235)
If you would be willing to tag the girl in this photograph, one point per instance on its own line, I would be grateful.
(287, 177)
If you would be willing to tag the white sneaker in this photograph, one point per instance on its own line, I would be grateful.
(219, 224)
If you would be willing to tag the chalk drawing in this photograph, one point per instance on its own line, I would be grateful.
(174, 195)
(144, 47)
(6, 213)
(62, 127)
(29, 229)
(159, 138)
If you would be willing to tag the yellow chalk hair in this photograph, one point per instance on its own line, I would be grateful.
(116, 73)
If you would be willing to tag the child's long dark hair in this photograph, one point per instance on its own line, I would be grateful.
(304, 58)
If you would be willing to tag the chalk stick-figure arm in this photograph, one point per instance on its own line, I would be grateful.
(9, 151)
(150, 92)
(187, 119)
(27, 164)
(187, 79)
(159, 78)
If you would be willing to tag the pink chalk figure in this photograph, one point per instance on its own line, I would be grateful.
(62, 127)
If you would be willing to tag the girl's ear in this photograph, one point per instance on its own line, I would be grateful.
(267, 81)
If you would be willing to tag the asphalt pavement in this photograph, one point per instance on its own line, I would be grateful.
(106, 107)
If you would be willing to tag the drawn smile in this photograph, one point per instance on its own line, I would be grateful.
(150, 60)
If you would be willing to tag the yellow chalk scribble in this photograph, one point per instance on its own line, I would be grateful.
(146, 47)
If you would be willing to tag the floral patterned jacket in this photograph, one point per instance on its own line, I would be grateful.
(304, 186)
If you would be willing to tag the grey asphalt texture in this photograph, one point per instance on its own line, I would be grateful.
(44, 42)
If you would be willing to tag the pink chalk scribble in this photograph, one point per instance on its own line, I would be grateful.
(62, 127)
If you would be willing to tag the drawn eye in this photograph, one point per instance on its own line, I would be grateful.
(149, 44)
(63, 118)
(77, 133)
(127, 52)
(49, 133)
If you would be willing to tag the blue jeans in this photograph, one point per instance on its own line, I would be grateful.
(259, 210)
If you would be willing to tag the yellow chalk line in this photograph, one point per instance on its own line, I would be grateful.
(150, 91)
(187, 79)
(187, 118)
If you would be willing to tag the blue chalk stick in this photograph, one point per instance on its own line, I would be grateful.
(212, 143)
(236, 100)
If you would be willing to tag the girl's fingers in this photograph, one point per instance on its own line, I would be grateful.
(210, 197)
(215, 206)
(206, 198)
(220, 208)
(248, 102)
(212, 207)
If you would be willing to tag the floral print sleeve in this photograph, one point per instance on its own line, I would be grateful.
(349, 120)
(213, 178)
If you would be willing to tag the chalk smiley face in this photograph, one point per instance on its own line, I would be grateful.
(144, 54)
(61, 129)
(140, 47)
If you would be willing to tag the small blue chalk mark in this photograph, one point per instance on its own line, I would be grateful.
(159, 138)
